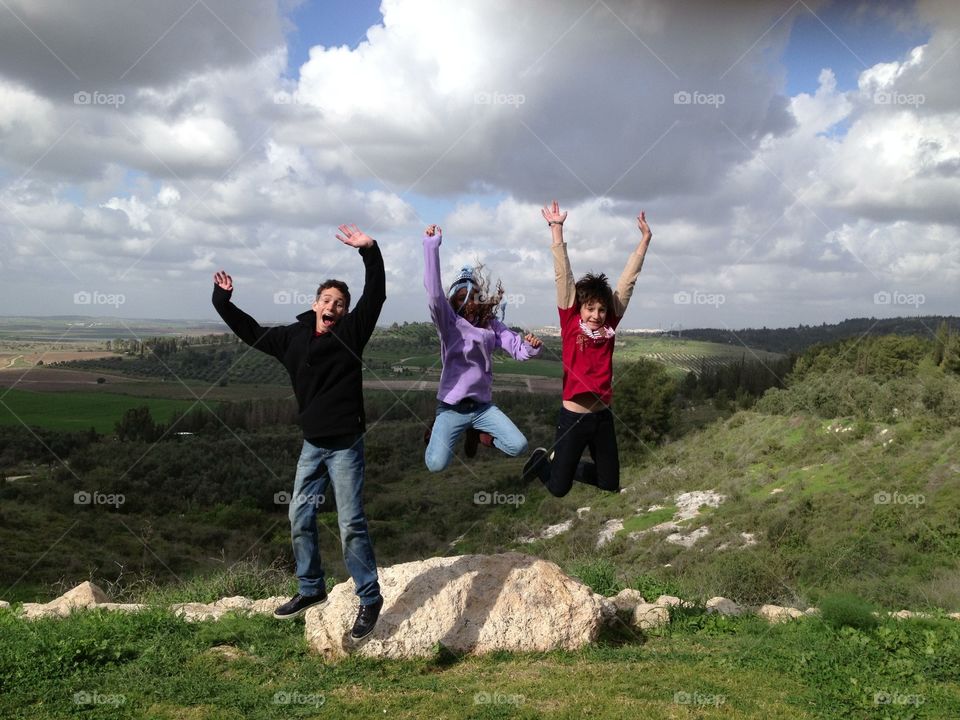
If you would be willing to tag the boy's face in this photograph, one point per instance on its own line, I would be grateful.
(330, 306)
(593, 313)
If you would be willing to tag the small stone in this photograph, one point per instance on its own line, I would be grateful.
(646, 616)
(627, 599)
(723, 606)
(196, 612)
(775, 613)
(669, 601)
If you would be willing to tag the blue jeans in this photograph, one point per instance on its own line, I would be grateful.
(453, 420)
(338, 461)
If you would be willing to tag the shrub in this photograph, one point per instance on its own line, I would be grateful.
(847, 610)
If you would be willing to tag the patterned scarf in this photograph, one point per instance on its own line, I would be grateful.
(594, 337)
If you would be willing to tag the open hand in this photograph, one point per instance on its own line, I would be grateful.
(353, 237)
(644, 228)
(552, 214)
(532, 340)
(223, 280)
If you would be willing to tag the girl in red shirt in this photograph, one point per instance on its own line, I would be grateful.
(590, 312)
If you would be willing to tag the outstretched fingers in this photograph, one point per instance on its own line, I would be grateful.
(223, 280)
(642, 224)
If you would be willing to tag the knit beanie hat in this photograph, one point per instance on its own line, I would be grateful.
(466, 279)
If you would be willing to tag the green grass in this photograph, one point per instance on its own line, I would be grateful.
(79, 410)
(154, 665)
(648, 520)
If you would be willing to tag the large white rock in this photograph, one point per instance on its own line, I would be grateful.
(469, 604)
(84, 595)
(4, 605)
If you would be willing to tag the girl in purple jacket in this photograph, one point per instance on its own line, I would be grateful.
(469, 333)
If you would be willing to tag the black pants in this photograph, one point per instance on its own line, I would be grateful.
(576, 432)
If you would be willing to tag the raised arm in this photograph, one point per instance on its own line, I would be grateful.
(440, 309)
(269, 340)
(563, 275)
(367, 310)
(517, 346)
(628, 278)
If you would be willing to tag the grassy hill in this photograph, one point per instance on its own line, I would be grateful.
(843, 482)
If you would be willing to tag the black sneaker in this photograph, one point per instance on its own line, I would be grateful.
(366, 620)
(537, 466)
(298, 604)
(471, 442)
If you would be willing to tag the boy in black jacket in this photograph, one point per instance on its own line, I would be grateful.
(322, 354)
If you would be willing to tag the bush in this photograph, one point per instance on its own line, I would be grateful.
(644, 402)
(847, 610)
(600, 575)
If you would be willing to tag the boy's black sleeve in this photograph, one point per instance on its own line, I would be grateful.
(272, 340)
(367, 311)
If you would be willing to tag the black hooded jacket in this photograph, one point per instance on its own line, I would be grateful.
(326, 370)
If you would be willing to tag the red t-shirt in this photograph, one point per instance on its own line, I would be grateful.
(587, 363)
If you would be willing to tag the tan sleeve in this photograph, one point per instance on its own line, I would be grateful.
(628, 278)
(563, 275)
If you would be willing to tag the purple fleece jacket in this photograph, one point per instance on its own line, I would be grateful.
(466, 350)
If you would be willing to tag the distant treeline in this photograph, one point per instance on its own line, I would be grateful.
(797, 339)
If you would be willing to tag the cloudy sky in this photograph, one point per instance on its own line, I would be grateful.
(798, 162)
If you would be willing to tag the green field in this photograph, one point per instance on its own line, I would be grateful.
(79, 410)
(501, 364)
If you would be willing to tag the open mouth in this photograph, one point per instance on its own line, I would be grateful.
(328, 320)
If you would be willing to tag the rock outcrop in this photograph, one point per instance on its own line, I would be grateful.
(472, 604)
